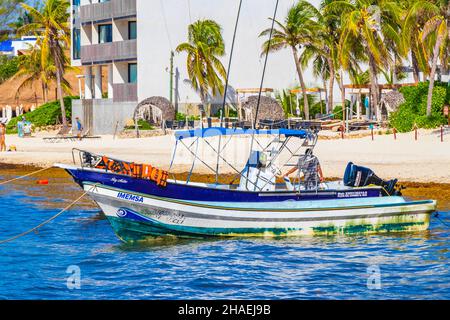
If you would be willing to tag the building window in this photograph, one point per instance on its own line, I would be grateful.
(76, 46)
(132, 73)
(76, 3)
(132, 31)
(104, 33)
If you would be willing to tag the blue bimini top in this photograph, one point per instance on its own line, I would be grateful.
(219, 131)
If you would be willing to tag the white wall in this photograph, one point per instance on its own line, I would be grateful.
(155, 44)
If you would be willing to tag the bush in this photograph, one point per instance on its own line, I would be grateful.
(8, 67)
(337, 112)
(317, 108)
(413, 110)
(433, 121)
(437, 102)
(45, 115)
(144, 125)
(182, 117)
(403, 119)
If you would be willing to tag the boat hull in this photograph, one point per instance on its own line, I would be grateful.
(191, 192)
(136, 216)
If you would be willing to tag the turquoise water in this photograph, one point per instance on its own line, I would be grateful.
(396, 266)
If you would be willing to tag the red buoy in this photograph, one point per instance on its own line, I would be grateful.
(42, 182)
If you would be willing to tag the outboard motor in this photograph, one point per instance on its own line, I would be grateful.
(357, 176)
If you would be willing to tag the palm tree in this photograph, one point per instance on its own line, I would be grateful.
(374, 24)
(297, 30)
(51, 24)
(417, 13)
(31, 70)
(204, 47)
(359, 78)
(436, 28)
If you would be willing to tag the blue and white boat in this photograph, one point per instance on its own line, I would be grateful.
(256, 204)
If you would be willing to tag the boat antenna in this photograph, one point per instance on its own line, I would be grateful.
(229, 62)
(265, 64)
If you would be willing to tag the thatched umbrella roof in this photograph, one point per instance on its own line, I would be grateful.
(269, 108)
(146, 108)
(392, 100)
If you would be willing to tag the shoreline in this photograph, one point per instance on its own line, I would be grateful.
(202, 177)
(414, 190)
(423, 161)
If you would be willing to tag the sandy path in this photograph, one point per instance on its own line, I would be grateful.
(425, 160)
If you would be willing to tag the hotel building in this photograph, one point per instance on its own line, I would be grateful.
(124, 49)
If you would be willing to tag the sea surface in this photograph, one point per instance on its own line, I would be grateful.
(77, 256)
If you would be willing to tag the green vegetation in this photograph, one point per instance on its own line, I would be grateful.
(8, 67)
(296, 30)
(343, 36)
(144, 125)
(204, 47)
(51, 25)
(182, 117)
(46, 115)
(414, 110)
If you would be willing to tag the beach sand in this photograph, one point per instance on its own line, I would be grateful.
(425, 160)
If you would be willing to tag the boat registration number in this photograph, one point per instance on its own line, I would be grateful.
(352, 194)
(170, 216)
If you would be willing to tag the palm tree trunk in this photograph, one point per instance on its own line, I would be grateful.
(43, 92)
(433, 73)
(330, 86)
(61, 98)
(302, 83)
(59, 71)
(341, 80)
(373, 86)
(415, 66)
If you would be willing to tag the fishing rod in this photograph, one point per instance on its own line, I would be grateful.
(261, 85)
(229, 62)
(265, 64)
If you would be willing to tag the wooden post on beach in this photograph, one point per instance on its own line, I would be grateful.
(415, 132)
(342, 131)
(442, 133)
(395, 134)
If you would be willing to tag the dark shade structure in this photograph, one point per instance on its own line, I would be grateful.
(269, 109)
(155, 110)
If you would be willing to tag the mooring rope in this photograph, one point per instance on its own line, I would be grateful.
(24, 176)
(436, 215)
(46, 221)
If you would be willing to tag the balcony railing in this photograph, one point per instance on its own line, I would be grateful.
(109, 52)
(107, 10)
(125, 92)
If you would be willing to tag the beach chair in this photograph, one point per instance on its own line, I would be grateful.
(63, 137)
(61, 134)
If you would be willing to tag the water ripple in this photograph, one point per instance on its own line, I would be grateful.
(412, 266)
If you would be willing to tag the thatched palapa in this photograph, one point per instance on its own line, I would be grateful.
(155, 110)
(269, 108)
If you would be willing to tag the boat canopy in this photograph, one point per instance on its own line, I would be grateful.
(219, 131)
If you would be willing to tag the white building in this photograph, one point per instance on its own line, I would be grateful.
(131, 41)
(12, 47)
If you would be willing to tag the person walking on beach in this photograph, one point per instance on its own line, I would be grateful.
(79, 127)
(2, 137)
(309, 166)
(20, 125)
